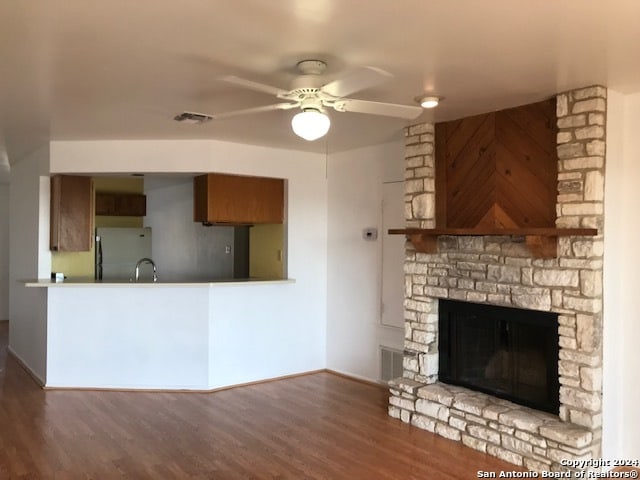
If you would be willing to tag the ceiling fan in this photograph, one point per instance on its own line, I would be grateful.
(312, 97)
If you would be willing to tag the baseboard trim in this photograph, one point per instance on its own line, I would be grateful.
(356, 378)
(36, 378)
(267, 380)
(185, 390)
(337, 373)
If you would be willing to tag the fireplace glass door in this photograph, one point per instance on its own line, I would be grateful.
(507, 352)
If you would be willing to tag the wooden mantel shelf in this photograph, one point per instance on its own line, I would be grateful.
(542, 242)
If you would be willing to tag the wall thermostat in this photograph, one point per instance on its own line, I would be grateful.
(370, 234)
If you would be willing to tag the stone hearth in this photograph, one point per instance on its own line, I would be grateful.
(500, 270)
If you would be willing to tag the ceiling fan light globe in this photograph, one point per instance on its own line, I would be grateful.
(310, 124)
(429, 102)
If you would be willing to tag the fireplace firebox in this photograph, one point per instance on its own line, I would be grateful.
(507, 352)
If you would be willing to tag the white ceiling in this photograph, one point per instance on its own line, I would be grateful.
(121, 69)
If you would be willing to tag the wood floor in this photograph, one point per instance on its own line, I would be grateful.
(319, 426)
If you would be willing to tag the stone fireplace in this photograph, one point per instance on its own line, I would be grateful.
(500, 270)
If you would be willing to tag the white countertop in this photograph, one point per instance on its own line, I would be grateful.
(90, 282)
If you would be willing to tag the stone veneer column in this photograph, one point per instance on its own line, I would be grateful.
(501, 271)
(421, 309)
(581, 165)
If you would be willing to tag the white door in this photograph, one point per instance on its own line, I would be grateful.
(393, 255)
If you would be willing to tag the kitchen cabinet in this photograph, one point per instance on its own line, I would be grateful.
(237, 199)
(121, 204)
(71, 227)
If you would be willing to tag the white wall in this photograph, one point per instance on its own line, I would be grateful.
(621, 396)
(303, 322)
(4, 251)
(631, 233)
(354, 332)
(30, 258)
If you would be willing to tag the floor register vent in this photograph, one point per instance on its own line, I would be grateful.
(390, 364)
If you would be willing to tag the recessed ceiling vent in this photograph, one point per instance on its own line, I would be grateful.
(192, 118)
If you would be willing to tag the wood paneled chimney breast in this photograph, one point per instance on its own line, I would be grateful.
(498, 169)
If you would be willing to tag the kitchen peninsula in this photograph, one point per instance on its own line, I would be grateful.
(182, 331)
(173, 336)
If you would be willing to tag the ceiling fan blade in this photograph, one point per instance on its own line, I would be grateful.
(377, 108)
(356, 80)
(251, 85)
(264, 108)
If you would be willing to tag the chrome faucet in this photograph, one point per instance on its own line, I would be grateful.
(149, 261)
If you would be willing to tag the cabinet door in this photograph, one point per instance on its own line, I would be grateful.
(71, 213)
(236, 199)
(121, 204)
(105, 204)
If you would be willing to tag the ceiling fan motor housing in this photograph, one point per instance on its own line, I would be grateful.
(309, 81)
(306, 85)
(311, 67)
(311, 102)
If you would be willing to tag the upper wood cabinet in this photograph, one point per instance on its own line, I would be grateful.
(121, 204)
(239, 200)
(71, 228)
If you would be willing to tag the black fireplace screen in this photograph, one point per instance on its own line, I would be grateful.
(507, 352)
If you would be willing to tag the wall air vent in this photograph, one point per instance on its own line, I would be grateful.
(192, 118)
(390, 364)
